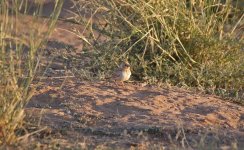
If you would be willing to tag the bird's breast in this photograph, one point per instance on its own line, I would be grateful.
(126, 75)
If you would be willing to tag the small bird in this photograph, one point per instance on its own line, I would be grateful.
(122, 74)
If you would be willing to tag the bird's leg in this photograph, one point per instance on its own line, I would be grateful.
(115, 83)
(123, 84)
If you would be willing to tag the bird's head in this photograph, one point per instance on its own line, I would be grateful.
(125, 65)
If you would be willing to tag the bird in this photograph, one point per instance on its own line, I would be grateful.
(122, 74)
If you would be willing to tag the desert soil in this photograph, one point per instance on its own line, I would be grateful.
(75, 113)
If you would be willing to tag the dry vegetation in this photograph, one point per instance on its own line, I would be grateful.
(191, 44)
(19, 59)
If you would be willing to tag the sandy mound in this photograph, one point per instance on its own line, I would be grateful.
(102, 113)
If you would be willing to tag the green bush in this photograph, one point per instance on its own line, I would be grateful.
(189, 43)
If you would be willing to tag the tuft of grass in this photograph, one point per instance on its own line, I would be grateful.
(185, 43)
(20, 50)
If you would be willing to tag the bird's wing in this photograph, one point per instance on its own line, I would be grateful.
(116, 74)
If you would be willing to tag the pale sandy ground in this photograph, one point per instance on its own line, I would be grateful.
(94, 114)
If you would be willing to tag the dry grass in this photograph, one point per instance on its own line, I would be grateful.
(19, 59)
